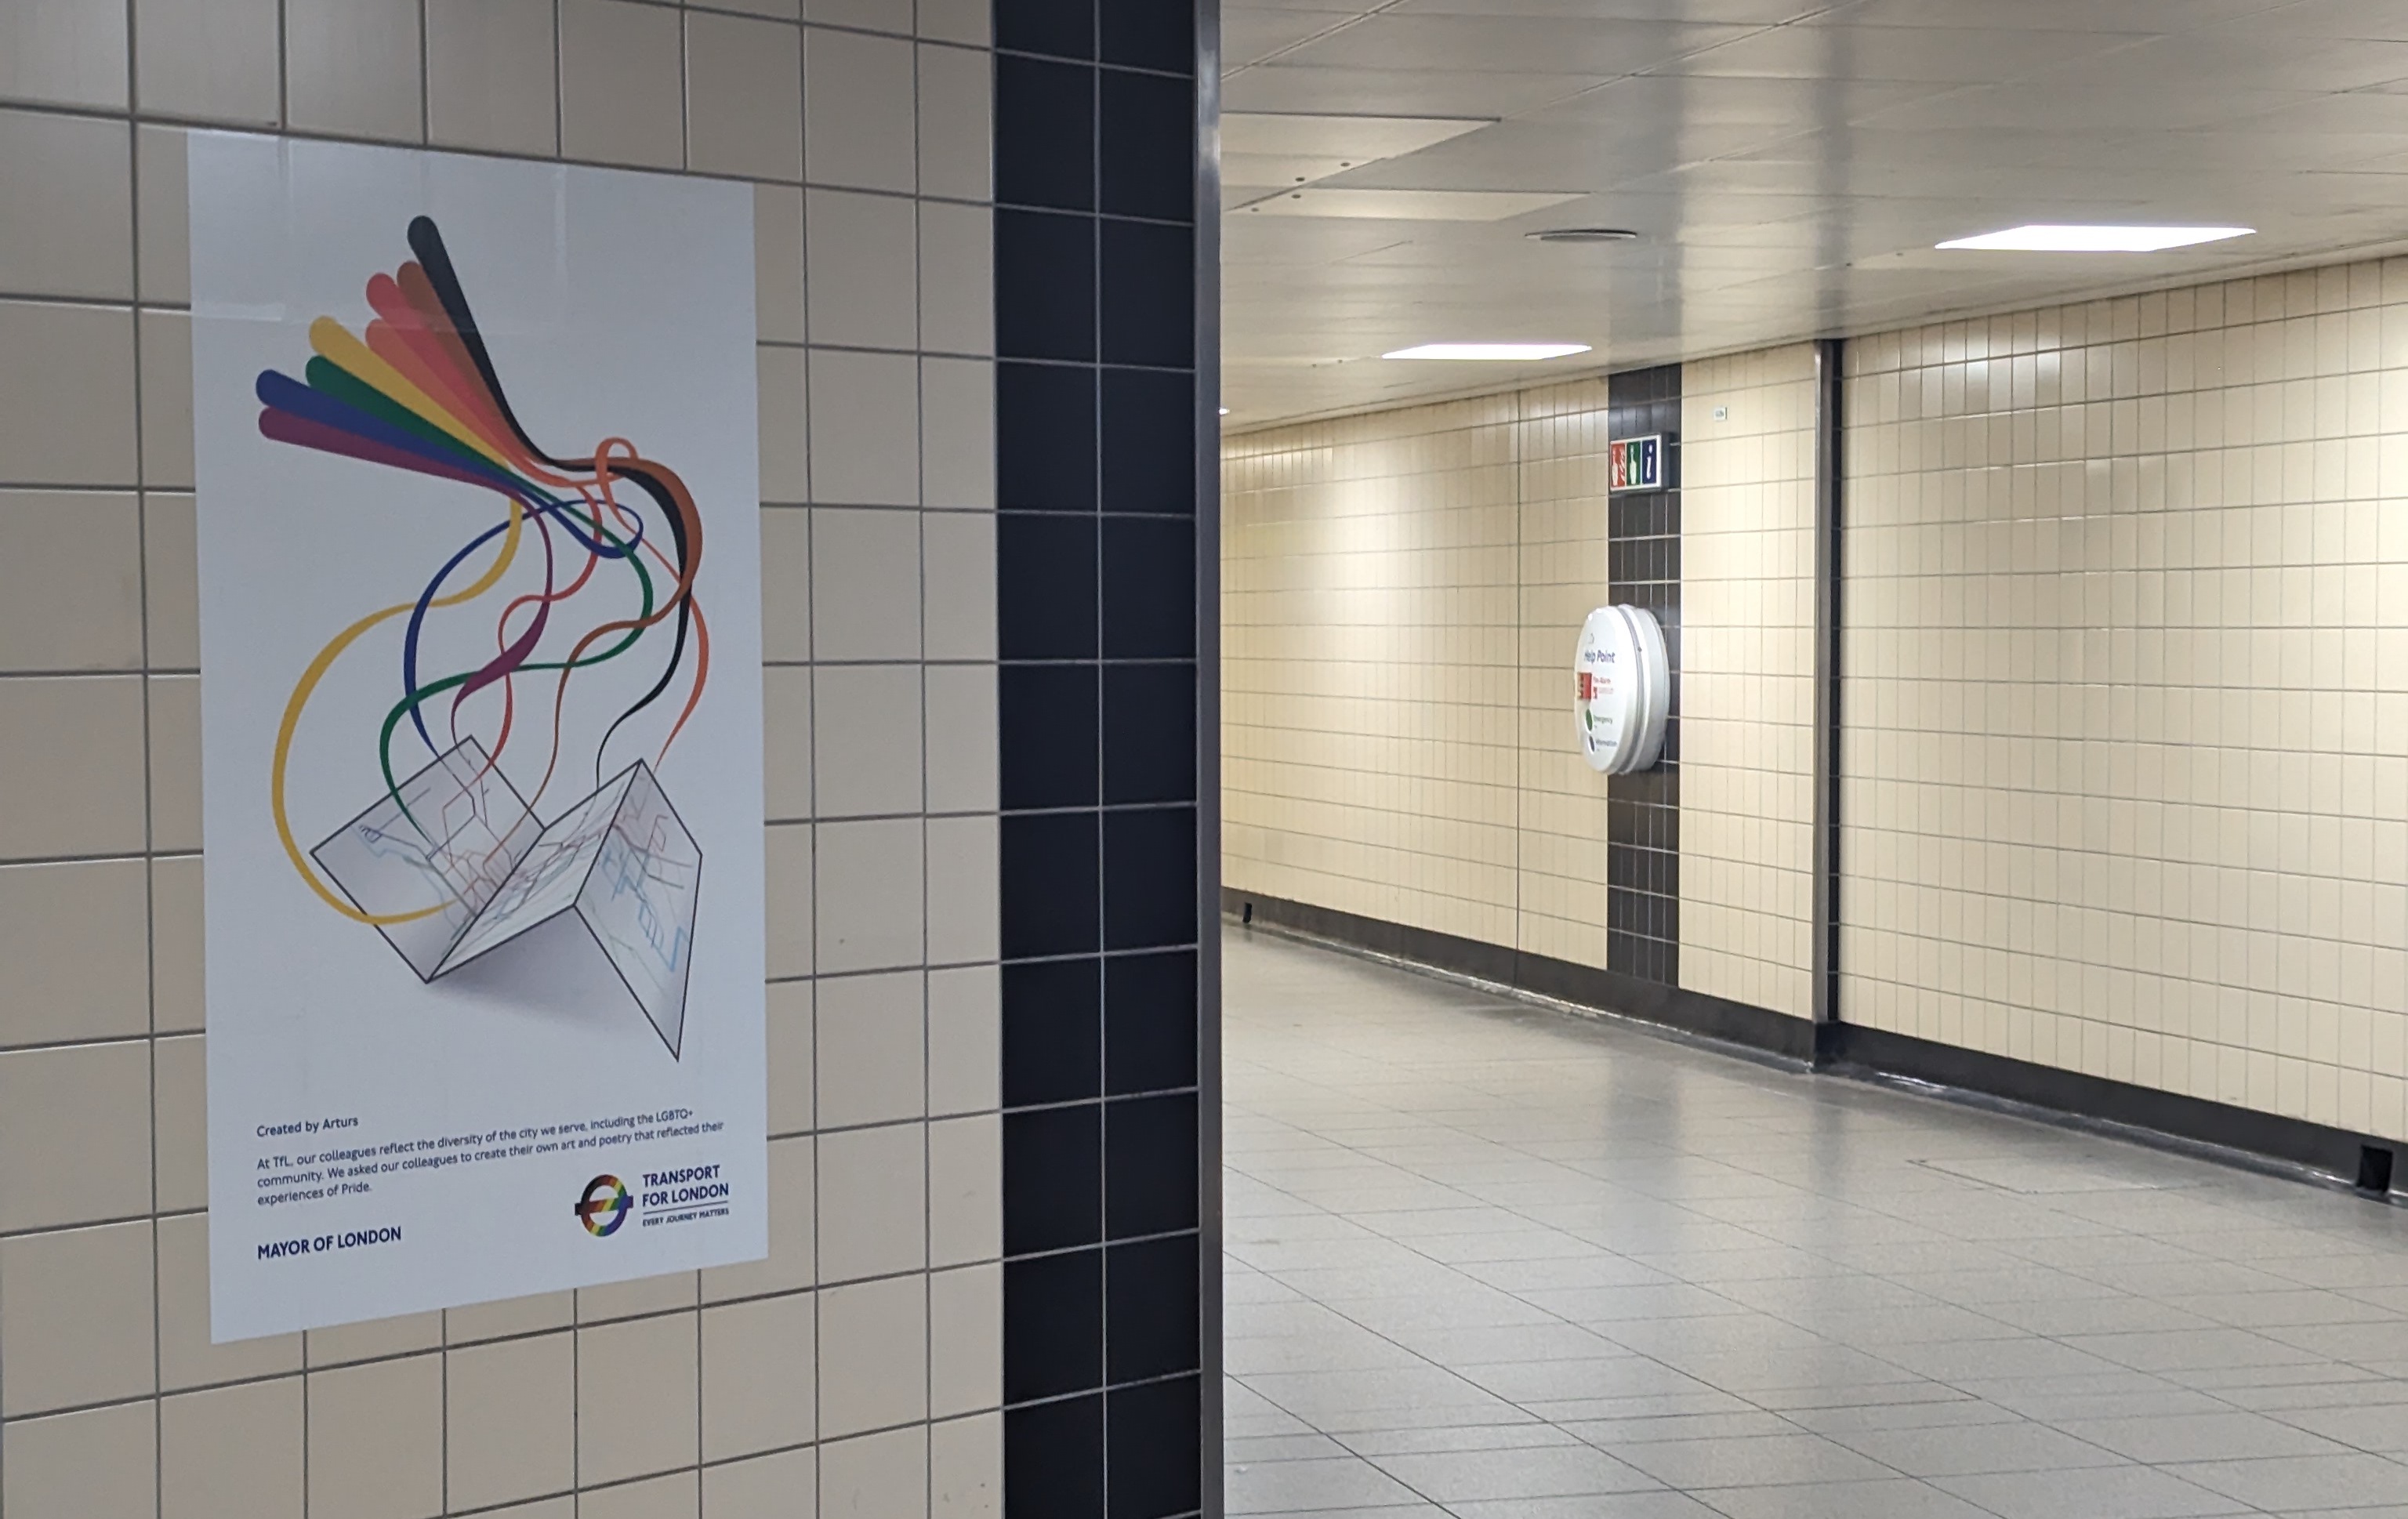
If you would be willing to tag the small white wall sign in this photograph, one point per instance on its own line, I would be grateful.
(1622, 689)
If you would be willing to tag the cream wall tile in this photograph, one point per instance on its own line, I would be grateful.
(376, 1440)
(76, 940)
(64, 53)
(637, 1385)
(758, 1376)
(966, 1468)
(965, 1190)
(791, 1035)
(965, 909)
(958, 570)
(965, 1039)
(373, 1340)
(163, 259)
(780, 1486)
(744, 97)
(863, 267)
(857, 105)
(956, 21)
(873, 1202)
(956, 123)
(957, 278)
(67, 396)
(179, 1103)
(865, 601)
(216, 60)
(777, 262)
(966, 1340)
(866, 738)
(785, 428)
(170, 583)
(87, 1105)
(865, 428)
(353, 67)
(785, 584)
(66, 205)
(957, 433)
(637, 1297)
(232, 1449)
(166, 368)
(176, 944)
(621, 96)
(786, 732)
(883, 1474)
(175, 781)
(76, 1316)
(98, 1464)
(511, 1420)
(961, 733)
(493, 80)
(662, 1497)
(871, 895)
(872, 1049)
(788, 890)
(892, 16)
(873, 1361)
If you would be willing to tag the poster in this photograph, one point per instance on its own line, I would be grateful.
(481, 727)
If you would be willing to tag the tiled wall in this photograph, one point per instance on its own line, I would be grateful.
(1095, 288)
(2126, 690)
(1401, 593)
(1747, 855)
(1369, 674)
(857, 1372)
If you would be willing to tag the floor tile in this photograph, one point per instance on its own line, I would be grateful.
(1490, 1262)
(2116, 1491)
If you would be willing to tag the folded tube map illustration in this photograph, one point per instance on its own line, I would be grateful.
(451, 861)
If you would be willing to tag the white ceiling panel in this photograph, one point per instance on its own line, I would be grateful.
(1787, 164)
(1406, 204)
(1538, 44)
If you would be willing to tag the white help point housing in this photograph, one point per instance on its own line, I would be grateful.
(1622, 689)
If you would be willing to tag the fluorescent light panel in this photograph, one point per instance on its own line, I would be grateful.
(1490, 352)
(2055, 238)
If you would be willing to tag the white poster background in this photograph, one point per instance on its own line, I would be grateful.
(613, 304)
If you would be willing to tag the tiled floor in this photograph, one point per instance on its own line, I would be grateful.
(1493, 1262)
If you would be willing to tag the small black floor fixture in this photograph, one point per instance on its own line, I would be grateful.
(2373, 1171)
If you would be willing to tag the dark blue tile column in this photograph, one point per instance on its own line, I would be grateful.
(1642, 855)
(1109, 995)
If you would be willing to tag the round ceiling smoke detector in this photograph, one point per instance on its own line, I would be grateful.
(1583, 234)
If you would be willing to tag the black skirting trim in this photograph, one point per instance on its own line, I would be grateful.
(2144, 1114)
(1693, 1012)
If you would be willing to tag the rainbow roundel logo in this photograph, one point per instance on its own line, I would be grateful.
(604, 1206)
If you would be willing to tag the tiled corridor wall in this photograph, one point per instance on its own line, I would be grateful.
(2126, 690)
(1401, 593)
(1747, 762)
(1370, 715)
(856, 1372)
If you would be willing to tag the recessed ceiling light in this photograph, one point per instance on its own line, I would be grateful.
(1225, 411)
(1506, 351)
(2051, 238)
(1582, 235)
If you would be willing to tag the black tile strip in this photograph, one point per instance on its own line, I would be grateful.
(2216, 1131)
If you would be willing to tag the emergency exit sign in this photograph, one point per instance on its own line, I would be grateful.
(1635, 463)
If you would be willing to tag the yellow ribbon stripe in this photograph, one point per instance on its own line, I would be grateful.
(317, 671)
(336, 346)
